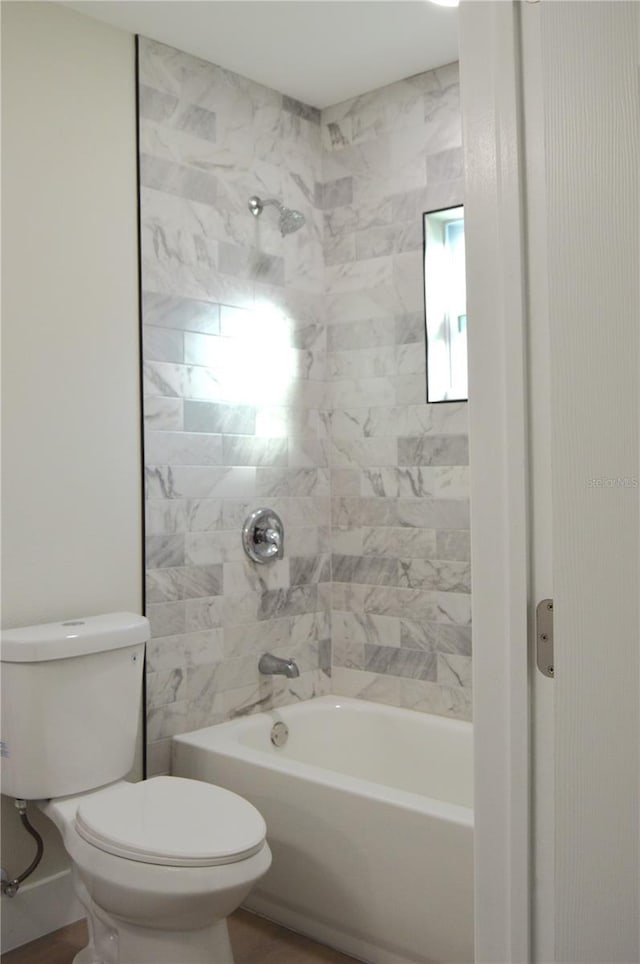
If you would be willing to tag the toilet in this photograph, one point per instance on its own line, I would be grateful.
(158, 865)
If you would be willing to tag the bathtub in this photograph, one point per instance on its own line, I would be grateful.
(369, 818)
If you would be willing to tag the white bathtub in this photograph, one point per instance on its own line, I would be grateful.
(369, 817)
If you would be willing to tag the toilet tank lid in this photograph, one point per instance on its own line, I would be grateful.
(73, 637)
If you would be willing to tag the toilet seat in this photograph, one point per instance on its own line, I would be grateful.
(173, 822)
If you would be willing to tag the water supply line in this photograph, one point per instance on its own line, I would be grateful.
(11, 887)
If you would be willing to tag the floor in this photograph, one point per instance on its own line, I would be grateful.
(254, 940)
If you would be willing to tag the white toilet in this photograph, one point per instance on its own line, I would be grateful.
(158, 865)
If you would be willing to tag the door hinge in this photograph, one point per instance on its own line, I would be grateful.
(544, 637)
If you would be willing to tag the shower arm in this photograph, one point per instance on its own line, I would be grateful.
(256, 204)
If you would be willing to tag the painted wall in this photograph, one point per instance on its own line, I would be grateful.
(71, 484)
(288, 371)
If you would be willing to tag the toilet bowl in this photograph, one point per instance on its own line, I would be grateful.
(158, 865)
(157, 859)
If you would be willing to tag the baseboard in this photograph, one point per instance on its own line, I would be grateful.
(39, 908)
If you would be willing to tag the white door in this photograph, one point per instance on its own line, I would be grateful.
(552, 207)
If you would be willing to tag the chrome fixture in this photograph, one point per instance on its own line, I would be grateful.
(263, 536)
(279, 733)
(290, 220)
(271, 665)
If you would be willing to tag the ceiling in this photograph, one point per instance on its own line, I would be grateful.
(318, 51)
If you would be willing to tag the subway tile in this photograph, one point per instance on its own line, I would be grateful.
(410, 329)
(435, 637)
(219, 418)
(425, 696)
(167, 379)
(202, 580)
(411, 603)
(361, 334)
(183, 448)
(203, 515)
(246, 576)
(307, 453)
(348, 511)
(166, 619)
(309, 569)
(203, 647)
(243, 450)
(447, 482)
(335, 193)
(375, 687)
(198, 121)
(164, 551)
(155, 104)
(308, 540)
(172, 178)
(165, 687)
(347, 541)
(363, 362)
(241, 608)
(202, 614)
(454, 670)
(453, 544)
(308, 628)
(370, 570)
(433, 450)
(453, 607)
(446, 418)
(398, 542)
(345, 481)
(432, 513)
(257, 638)
(168, 652)
(445, 165)
(163, 414)
(348, 653)
(207, 482)
(276, 603)
(361, 628)
(164, 585)
(251, 263)
(162, 344)
(351, 453)
(435, 574)
(166, 721)
(394, 661)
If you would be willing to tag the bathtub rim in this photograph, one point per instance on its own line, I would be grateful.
(218, 739)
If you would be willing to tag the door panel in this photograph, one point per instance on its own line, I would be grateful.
(590, 100)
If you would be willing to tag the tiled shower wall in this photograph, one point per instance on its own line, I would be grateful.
(234, 358)
(284, 372)
(399, 476)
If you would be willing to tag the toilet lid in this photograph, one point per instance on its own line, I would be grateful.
(172, 821)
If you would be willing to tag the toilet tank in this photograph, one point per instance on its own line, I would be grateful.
(70, 704)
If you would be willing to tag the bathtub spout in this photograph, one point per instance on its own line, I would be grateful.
(270, 665)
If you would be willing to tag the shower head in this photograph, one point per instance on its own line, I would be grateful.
(289, 220)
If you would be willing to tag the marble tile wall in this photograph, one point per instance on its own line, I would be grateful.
(290, 372)
(234, 393)
(401, 610)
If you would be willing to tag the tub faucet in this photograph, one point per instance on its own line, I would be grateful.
(270, 665)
